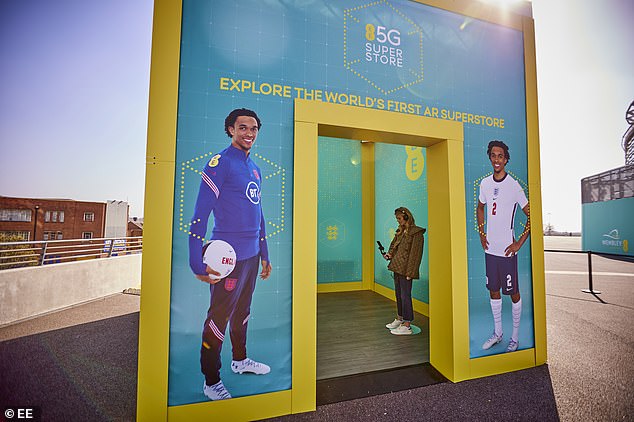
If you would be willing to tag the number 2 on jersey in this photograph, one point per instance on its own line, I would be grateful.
(495, 205)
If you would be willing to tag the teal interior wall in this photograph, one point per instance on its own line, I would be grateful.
(400, 180)
(607, 226)
(339, 211)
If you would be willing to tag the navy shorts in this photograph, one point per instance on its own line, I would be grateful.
(501, 273)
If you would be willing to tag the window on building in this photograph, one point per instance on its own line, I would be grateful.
(54, 216)
(89, 216)
(15, 215)
(14, 236)
(86, 235)
(53, 235)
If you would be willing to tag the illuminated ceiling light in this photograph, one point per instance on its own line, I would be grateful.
(467, 21)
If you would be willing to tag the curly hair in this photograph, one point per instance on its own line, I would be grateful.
(500, 144)
(233, 116)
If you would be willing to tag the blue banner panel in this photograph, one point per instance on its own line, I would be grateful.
(607, 226)
(398, 56)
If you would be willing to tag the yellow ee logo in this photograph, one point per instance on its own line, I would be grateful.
(382, 34)
(415, 163)
(369, 32)
(214, 160)
(626, 245)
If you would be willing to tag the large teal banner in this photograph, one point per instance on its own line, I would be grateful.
(607, 226)
(396, 55)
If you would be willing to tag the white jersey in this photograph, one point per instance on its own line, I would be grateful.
(501, 199)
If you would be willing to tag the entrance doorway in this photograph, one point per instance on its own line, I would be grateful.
(443, 140)
(358, 179)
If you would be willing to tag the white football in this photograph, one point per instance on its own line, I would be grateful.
(220, 256)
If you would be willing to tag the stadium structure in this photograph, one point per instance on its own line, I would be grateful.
(608, 202)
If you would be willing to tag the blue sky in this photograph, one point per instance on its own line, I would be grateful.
(73, 108)
(75, 75)
(585, 84)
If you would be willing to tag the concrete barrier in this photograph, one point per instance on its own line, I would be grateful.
(27, 292)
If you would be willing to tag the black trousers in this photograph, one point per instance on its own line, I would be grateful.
(230, 304)
(403, 292)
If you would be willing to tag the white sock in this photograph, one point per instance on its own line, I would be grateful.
(496, 308)
(517, 313)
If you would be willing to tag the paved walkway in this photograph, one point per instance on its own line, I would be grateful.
(80, 363)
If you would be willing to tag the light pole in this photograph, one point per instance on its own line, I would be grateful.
(37, 207)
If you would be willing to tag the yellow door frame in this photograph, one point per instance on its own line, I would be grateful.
(448, 310)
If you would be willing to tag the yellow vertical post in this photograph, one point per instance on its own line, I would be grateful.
(460, 281)
(159, 202)
(441, 324)
(305, 268)
(367, 214)
(534, 187)
(448, 287)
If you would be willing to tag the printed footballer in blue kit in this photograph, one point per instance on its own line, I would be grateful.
(230, 190)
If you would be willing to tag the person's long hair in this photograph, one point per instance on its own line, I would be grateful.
(408, 222)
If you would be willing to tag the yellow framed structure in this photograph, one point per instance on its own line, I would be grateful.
(448, 308)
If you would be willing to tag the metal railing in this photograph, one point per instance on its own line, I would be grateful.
(46, 252)
(590, 288)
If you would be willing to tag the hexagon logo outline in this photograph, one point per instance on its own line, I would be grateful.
(385, 51)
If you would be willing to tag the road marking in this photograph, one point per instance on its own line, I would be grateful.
(593, 273)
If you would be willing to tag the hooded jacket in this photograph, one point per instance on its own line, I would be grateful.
(406, 250)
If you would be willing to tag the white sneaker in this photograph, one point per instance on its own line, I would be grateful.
(513, 345)
(249, 365)
(492, 341)
(394, 324)
(216, 391)
(401, 330)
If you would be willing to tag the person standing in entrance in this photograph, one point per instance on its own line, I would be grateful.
(230, 188)
(501, 194)
(405, 255)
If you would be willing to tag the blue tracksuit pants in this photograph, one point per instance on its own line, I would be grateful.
(230, 304)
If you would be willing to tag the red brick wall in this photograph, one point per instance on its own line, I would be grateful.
(73, 225)
(134, 230)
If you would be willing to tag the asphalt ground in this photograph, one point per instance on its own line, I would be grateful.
(81, 363)
(591, 337)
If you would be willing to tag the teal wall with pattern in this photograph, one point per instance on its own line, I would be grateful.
(339, 211)
(401, 181)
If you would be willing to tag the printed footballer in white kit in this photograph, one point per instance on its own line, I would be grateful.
(501, 195)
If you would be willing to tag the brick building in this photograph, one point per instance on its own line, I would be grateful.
(52, 219)
(135, 227)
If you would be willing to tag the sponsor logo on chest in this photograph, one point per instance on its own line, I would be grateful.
(253, 192)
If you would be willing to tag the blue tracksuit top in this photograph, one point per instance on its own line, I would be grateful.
(230, 188)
